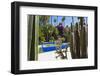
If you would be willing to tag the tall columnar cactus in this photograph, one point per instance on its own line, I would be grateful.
(83, 45)
(81, 35)
(31, 39)
(77, 42)
(30, 20)
(71, 43)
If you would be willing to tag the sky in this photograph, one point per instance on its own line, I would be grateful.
(68, 20)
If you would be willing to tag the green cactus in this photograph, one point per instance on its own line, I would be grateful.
(83, 45)
(77, 42)
(84, 48)
(71, 43)
(32, 46)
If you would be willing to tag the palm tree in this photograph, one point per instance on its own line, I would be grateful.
(63, 19)
(56, 20)
(51, 19)
(43, 20)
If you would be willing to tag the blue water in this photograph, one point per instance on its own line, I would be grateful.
(52, 47)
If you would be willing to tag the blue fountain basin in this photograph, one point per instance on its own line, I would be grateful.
(51, 46)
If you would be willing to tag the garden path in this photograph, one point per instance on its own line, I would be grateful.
(48, 56)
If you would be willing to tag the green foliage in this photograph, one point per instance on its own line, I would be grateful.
(63, 39)
(46, 31)
(56, 31)
(41, 35)
(51, 39)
